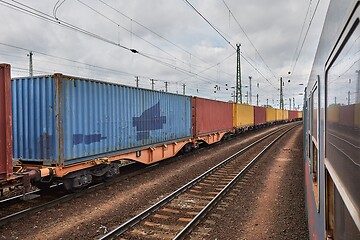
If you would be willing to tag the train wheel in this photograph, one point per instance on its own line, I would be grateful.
(77, 183)
(187, 148)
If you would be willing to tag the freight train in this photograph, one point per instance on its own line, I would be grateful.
(332, 127)
(66, 129)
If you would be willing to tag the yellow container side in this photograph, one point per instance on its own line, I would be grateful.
(333, 113)
(243, 115)
(270, 114)
(286, 114)
(279, 114)
(300, 114)
(357, 115)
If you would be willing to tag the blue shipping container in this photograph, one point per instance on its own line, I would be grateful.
(61, 120)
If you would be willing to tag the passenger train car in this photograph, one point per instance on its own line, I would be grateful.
(332, 127)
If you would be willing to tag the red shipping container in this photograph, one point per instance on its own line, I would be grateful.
(259, 115)
(211, 116)
(5, 123)
(293, 114)
(346, 115)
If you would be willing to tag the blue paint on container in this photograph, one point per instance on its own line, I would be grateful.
(64, 120)
(149, 120)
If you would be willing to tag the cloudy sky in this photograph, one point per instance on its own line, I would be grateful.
(173, 44)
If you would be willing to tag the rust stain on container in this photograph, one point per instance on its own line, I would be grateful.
(5, 122)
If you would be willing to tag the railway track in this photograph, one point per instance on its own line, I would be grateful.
(17, 207)
(176, 215)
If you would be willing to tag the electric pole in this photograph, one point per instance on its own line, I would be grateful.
(137, 81)
(289, 103)
(293, 103)
(152, 84)
(250, 77)
(257, 99)
(267, 102)
(238, 76)
(30, 55)
(281, 94)
(166, 84)
(184, 89)
(247, 97)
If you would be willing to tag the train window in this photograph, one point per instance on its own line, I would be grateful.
(314, 165)
(329, 205)
(309, 147)
(339, 223)
(314, 110)
(345, 227)
(342, 135)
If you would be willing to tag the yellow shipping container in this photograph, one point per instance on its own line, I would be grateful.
(333, 114)
(300, 114)
(243, 115)
(279, 115)
(286, 114)
(357, 115)
(270, 114)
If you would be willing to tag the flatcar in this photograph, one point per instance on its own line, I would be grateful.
(72, 130)
(331, 127)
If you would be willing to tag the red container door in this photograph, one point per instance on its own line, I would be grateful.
(259, 115)
(210, 116)
(5, 122)
(293, 114)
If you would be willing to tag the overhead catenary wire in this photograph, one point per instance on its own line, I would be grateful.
(44, 16)
(242, 55)
(191, 54)
(208, 80)
(301, 33)
(34, 12)
(246, 35)
(118, 24)
(186, 1)
(307, 31)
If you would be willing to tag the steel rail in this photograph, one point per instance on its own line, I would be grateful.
(197, 219)
(18, 198)
(115, 233)
(64, 198)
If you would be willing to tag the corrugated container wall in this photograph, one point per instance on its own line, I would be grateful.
(293, 114)
(211, 116)
(64, 120)
(270, 115)
(300, 114)
(259, 115)
(243, 115)
(279, 114)
(285, 114)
